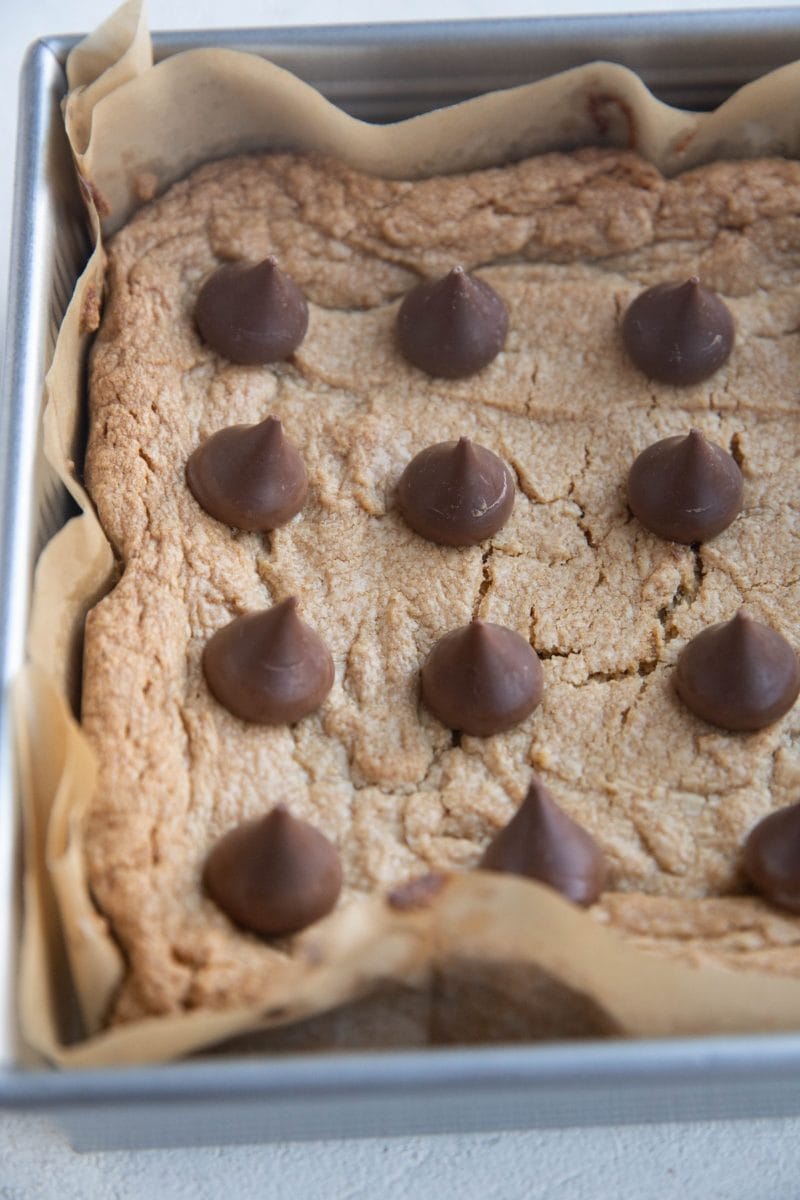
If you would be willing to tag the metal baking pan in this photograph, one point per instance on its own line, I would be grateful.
(377, 73)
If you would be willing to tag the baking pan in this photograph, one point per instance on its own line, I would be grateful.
(377, 73)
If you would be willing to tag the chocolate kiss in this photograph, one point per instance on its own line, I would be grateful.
(678, 333)
(482, 679)
(456, 493)
(542, 842)
(252, 313)
(685, 489)
(739, 675)
(452, 326)
(274, 875)
(772, 857)
(269, 667)
(248, 476)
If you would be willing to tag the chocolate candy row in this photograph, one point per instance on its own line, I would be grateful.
(684, 488)
(276, 875)
(452, 327)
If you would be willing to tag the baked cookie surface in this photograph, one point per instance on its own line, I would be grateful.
(568, 241)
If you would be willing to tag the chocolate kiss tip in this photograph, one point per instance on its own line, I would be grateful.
(287, 616)
(456, 493)
(464, 455)
(739, 675)
(771, 857)
(541, 842)
(287, 626)
(695, 446)
(288, 606)
(691, 292)
(457, 282)
(249, 476)
(685, 489)
(741, 625)
(269, 668)
(482, 679)
(274, 875)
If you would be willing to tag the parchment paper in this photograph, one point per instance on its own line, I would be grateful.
(428, 964)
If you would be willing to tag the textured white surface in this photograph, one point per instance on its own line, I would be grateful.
(714, 1161)
(757, 1161)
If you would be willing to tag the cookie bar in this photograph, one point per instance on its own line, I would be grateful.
(568, 241)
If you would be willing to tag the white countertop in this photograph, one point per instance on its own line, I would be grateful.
(759, 1160)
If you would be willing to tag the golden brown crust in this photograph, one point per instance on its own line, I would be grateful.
(568, 240)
